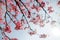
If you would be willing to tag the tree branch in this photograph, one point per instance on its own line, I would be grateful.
(23, 13)
(43, 10)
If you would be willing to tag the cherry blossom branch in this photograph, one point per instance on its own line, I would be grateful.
(10, 18)
(3, 33)
(24, 5)
(40, 6)
(6, 22)
(43, 10)
(6, 13)
(2, 30)
(23, 13)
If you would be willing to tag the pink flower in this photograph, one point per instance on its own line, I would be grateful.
(58, 3)
(50, 9)
(32, 33)
(42, 4)
(43, 36)
(39, 1)
(5, 38)
(14, 39)
(18, 25)
(7, 29)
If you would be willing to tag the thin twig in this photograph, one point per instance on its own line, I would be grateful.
(5, 21)
(23, 14)
(2, 31)
(10, 18)
(43, 10)
(24, 5)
